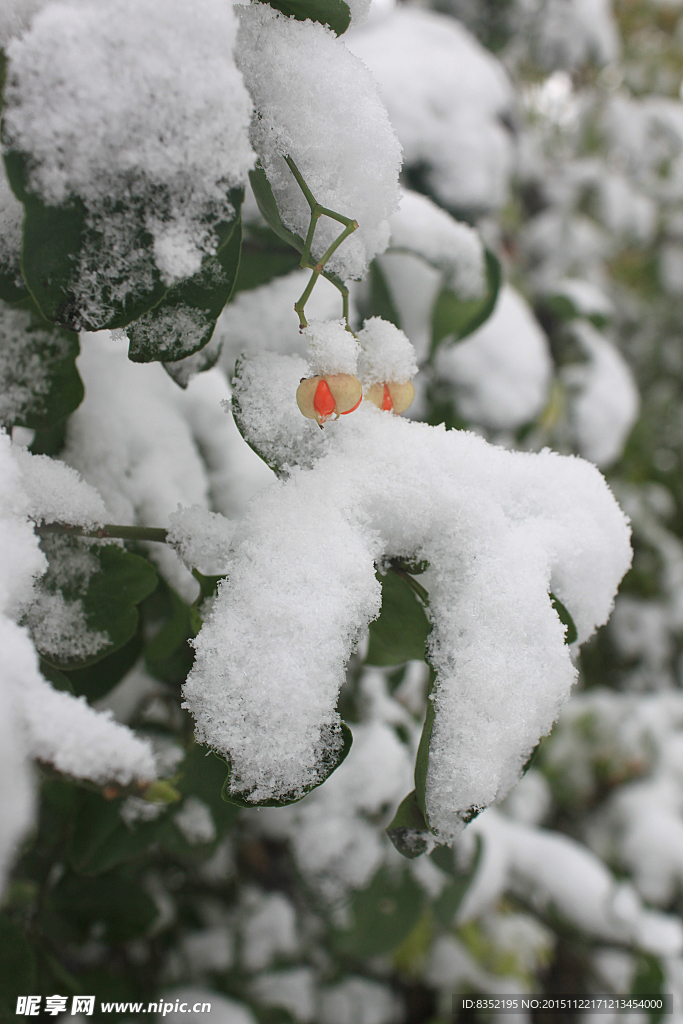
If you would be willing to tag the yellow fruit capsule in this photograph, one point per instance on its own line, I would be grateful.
(391, 397)
(325, 398)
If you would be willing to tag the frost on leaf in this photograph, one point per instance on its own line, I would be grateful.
(499, 529)
(316, 103)
(125, 132)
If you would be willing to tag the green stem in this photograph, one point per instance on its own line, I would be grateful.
(318, 211)
(416, 587)
(301, 183)
(153, 533)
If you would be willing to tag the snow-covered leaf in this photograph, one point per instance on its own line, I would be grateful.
(85, 606)
(39, 383)
(329, 760)
(184, 320)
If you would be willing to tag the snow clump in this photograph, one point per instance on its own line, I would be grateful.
(316, 103)
(303, 590)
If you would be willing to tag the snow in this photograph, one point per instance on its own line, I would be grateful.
(387, 355)
(549, 869)
(501, 373)
(359, 1001)
(17, 802)
(316, 103)
(264, 318)
(201, 538)
(604, 399)
(421, 227)
(11, 216)
(445, 95)
(269, 930)
(195, 822)
(56, 493)
(293, 990)
(385, 486)
(25, 369)
(147, 446)
(136, 102)
(586, 297)
(331, 348)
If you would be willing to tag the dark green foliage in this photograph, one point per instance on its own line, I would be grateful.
(265, 256)
(565, 618)
(400, 633)
(455, 318)
(17, 967)
(382, 914)
(452, 895)
(333, 13)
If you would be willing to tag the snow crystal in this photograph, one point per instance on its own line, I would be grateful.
(195, 822)
(11, 216)
(604, 399)
(25, 366)
(59, 628)
(269, 931)
(201, 538)
(454, 248)
(359, 10)
(446, 96)
(316, 103)
(56, 492)
(15, 16)
(137, 103)
(387, 355)
(331, 348)
(501, 372)
(303, 587)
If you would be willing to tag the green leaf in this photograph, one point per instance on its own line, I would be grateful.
(382, 914)
(57, 679)
(17, 967)
(264, 257)
(105, 596)
(448, 902)
(265, 200)
(202, 774)
(118, 903)
(401, 631)
(39, 382)
(328, 764)
(168, 655)
(183, 322)
(422, 758)
(61, 248)
(565, 618)
(408, 830)
(100, 839)
(381, 302)
(455, 318)
(97, 680)
(333, 13)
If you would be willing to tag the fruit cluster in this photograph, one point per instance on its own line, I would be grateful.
(322, 398)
